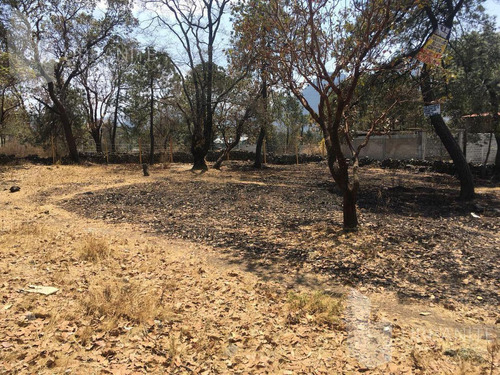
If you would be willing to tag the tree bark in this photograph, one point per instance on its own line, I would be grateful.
(451, 145)
(66, 123)
(262, 134)
(496, 173)
(495, 108)
(96, 136)
(224, 154)
(151, 123)
(258, 150)
(115, 116)
(199, 163)
(349, 210)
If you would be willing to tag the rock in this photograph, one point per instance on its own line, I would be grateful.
(14, 189)
(30, 316)
(45, 290)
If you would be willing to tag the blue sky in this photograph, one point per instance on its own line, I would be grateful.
(493, 8)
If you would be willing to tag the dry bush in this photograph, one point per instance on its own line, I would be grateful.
(115, 299)
(94, 249)
(28, 228)
(317, 307)
(493, 350)
(20, 150)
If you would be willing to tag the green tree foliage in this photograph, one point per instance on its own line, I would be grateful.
(474, 79)
(59, 39)
(330, 46)
(149, 80)
(290, 120)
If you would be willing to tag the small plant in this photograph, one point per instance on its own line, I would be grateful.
(493, 349)
(94, 249)
(115, 299)
(318, 307)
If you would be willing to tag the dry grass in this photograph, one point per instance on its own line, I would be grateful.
(94, 249)
(317, 307)
(114, 299)
(20, 151)
(28, 228)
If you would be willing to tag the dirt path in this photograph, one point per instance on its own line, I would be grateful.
(150, 304)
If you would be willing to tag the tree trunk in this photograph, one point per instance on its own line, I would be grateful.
(488, 152)
(151, 128)
(258, 149)
(66, 123)
(96, 136)
(199, 163)
(115, 116)
(262, 133)
(496, 173)
(451, 145)
(349, 210)
(223, 156)
(495, 107)
(287, 139)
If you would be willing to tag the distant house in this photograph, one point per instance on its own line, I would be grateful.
(479, 122)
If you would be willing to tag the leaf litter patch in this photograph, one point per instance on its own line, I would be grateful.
(415, 237)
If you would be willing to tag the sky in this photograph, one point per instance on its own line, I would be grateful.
(493, 8)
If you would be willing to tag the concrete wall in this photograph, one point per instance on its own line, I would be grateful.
(425, 146)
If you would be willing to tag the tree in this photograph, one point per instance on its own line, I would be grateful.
(74, 34)
(196, 26)
(289, 115)
(148, 80)
(331, 48)
(444, 14)
(10, 99)
(475, 78)
(99, 87)
(237, 112)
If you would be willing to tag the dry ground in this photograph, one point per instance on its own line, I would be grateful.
(244, 272)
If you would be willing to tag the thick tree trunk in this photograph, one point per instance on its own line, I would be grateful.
(451, 145)
(70, 139)
(96, 136)
(258, 150)
(349, 210)
(199, 163)
(66, 123)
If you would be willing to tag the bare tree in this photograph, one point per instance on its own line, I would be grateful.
(330, 46)
(73, 36)
(99, 88)
(196, 25)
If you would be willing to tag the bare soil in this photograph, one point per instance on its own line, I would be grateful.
(187, 273)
